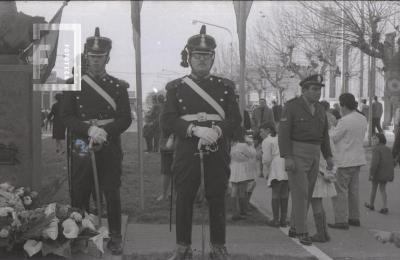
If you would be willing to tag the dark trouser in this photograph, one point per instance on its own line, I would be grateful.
(184, 214)
(302, 182)
(216, 180)
(149, 143)
(108, 162)
(376, 123)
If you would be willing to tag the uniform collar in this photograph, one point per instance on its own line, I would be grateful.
(197, 78)
(98, 77)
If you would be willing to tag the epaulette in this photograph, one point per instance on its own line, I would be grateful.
(123, 83)
(173, 84)
(226, 82)
(120, 82)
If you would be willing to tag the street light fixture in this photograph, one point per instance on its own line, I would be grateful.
(223, 28)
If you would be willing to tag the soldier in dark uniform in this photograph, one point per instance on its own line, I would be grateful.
(195, 122)
(303, 133)
(100, 112)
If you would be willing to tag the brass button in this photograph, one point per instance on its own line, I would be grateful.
(225, 92)
(80, 106)
(211, 79)
(77, 97)
(104, 79)
(111, 81)
(117, 85)
(219, 80)
(180, 100)
(222, 99)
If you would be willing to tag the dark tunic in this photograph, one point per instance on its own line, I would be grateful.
(182, 100)
(80, 106)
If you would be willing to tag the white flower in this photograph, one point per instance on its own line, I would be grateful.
(4, 233)
(32, 247)
(51, 208)
(20, 191)
(52, 230)
(76, 216)
(86, 223)
(5, 210)
(5, 186)
(71, 229)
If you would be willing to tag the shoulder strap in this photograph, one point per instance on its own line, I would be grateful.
(205, 96)
(100, 91)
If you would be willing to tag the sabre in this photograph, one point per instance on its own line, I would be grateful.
(96, 180)
(201, 199)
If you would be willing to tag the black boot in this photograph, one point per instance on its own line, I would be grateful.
(284, 207)
(275, 212)
(182, 252)
(219, 253)
(115, 244)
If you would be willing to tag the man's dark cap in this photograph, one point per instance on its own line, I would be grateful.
(97, 45)
(315, 79)
(201, 42)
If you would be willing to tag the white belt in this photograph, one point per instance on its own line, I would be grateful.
(202, 117)
(99, 122)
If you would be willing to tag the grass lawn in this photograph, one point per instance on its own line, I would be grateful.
(56, 189)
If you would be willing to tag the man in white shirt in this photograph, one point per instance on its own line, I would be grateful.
(348, 138)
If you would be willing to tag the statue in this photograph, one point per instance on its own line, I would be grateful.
(16, 29)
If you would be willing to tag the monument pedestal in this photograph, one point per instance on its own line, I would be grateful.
(20, 124)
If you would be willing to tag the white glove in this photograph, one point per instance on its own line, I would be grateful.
(208, 134)
(99, 135)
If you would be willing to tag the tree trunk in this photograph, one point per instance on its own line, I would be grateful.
(332, 76)
(361, 92)
(345, 68)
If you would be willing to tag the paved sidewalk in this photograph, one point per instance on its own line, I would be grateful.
(243, 242)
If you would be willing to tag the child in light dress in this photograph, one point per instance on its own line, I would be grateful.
(274, 171)
(243, 158)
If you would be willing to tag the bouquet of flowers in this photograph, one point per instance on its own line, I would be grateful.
(51, 229)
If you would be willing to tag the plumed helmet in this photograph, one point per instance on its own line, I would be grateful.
(201, 43)
(97, 45)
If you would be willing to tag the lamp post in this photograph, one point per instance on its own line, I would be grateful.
(225, 29)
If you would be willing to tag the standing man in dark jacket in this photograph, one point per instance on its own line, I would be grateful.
(303, 134)
(99, 113)
(377, 111)
(201, 110)
(262, 114)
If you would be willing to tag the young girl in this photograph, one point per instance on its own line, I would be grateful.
(243, 155)
(381, 170)
(274, 171)
(324, 188)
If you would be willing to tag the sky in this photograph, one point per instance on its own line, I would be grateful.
(165, 28)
